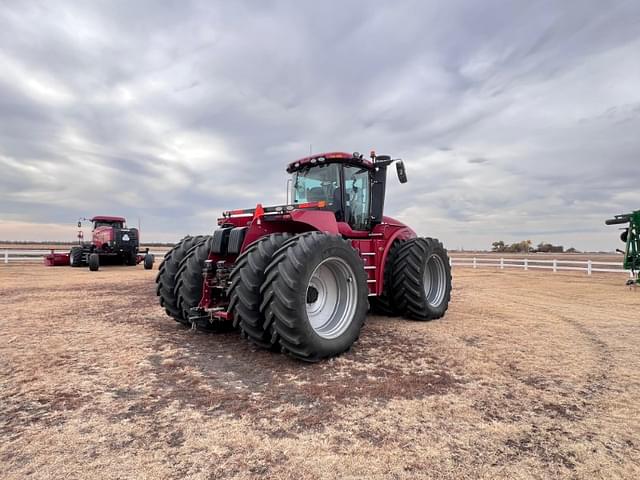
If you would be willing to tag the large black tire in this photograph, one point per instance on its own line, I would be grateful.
(148, 261)
(167, 277)
(188, 289)
(289, 298)
(76, 257)
(244, 292)
(384, 304)
(131, 259)
(94, 262)
(624, 235)
(421, 284)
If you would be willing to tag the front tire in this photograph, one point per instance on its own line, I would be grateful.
(131, 259)
(421, 284)
(75, 257)
(148, 261)
(315, 293)
(94, 262)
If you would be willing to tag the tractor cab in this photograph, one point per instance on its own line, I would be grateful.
(347, 184)
(105, 221)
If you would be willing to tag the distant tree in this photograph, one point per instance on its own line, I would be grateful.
(549, 248)
(498, 246)
(519, 247)
(572, 250)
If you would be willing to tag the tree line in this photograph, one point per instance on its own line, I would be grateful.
(526, 246)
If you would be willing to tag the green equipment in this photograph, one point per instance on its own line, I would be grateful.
(631, 237)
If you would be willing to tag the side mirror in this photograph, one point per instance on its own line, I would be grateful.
(402, 173)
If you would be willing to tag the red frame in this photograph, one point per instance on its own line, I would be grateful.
(378, 241)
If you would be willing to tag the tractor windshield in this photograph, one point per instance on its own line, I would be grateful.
(317, 183)
(103, 223)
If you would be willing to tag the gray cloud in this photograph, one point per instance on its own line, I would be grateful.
(514, 120)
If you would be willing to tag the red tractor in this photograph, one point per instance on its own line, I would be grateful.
(298, 277)
(112, 243)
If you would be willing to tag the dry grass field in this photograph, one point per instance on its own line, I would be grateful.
(529, 375)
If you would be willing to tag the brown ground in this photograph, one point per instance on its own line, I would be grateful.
(530, 374)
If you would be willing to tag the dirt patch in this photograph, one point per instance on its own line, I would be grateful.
(529, 374)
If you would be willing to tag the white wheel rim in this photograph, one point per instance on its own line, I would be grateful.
(331, 300)
(435, 280)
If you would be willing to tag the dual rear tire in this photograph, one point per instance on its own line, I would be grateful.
(166, 280)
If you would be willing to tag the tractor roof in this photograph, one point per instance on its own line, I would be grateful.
(107, 218)
(330, 157)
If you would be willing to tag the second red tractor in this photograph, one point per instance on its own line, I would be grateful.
(300, 277)
(112, 243)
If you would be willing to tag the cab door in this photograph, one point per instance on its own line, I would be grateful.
(357, 197)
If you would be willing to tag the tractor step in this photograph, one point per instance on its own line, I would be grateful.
(369, 259)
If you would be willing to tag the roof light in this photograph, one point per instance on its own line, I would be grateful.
(321, 159)
(313, 160)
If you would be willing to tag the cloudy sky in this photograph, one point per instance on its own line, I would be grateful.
(516, 120)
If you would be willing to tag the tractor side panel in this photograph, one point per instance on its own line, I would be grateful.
(297, 221)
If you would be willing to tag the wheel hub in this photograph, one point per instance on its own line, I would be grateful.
(331, 298)
(312, 294)
(435, 280)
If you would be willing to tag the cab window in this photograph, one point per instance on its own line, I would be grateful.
(103, 223)
(318, 183)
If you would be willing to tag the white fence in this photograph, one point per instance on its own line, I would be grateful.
(556, 265)
(13, 255)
